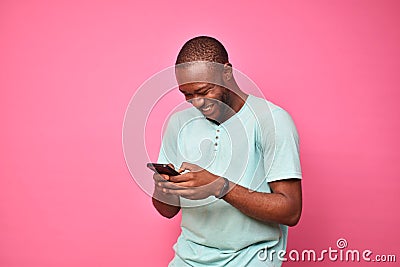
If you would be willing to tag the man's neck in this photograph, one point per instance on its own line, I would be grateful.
(238, 99)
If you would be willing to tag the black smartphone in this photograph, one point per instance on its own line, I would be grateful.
(162, 169)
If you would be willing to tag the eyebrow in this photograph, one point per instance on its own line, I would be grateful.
(199, 89)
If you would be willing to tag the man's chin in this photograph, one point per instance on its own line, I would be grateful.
(213, 114)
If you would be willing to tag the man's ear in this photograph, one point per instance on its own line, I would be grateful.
(227, 75)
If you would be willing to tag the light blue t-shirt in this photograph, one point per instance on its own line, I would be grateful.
(257, 145)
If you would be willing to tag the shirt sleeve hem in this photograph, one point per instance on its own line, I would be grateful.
(285, 177)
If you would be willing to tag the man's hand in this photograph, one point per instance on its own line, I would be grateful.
(282, 205)
(167, 204)
(159, 193)
(197, 183)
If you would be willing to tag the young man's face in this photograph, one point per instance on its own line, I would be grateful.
(203, 88)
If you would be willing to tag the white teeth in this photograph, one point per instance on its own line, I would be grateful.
(207, 108)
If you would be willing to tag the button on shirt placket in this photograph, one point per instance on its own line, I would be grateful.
(217, 139)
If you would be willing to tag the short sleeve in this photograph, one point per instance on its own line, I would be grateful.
(281, 148)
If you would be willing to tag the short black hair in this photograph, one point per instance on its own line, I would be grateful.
(202, 48)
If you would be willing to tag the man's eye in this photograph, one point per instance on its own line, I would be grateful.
(207, 91)
(211, 88)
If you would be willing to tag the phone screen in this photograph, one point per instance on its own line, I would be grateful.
(162, 169)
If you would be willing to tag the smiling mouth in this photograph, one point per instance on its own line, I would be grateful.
(207, 108)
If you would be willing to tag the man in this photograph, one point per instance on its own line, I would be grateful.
(240, 182)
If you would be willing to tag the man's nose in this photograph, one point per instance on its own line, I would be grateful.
(197, 102)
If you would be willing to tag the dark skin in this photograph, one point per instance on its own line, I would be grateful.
(283, 205)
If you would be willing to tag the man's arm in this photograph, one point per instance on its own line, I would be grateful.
(282, 206)
(166, 204)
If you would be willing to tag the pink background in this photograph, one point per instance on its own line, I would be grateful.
(69, 68)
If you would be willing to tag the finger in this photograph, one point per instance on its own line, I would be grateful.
(182, 168)
(171, 165)
(186, 193)
(181, 192)
(186, 166)
(171, 191)
(160, 177)
(171, 186)
(180, 178)
(165, 177)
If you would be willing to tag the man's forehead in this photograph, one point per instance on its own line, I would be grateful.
(203, 72)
